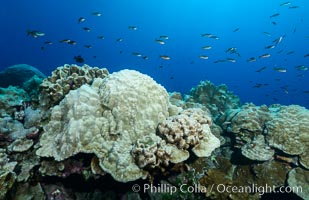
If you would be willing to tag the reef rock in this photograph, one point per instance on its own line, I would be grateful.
(17, 75)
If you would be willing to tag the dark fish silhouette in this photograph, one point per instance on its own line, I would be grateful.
(261, 69)
(274, 15)
(79, 59)
(236, 29)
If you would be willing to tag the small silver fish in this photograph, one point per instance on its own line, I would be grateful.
(301, 68)
(252, 59)
(98, 14)
(87, 29)
(285, 3)
(280, 69)
(203, 57)
(72, 42)
(165, 57)
(266, 55)
(231, 60)
(267, 34)
(35, 33)
(133, 28)
(164, 37)
(206, 47)
(137, 54)
(279, 40)
(270, 47)
(81, 19)
(65, 41)
(159, 41)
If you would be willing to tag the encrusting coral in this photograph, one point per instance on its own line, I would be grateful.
(66, 78)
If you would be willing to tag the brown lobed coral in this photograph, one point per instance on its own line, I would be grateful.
(190, 129)
(66, 78)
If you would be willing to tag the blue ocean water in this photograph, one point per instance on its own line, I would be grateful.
(130, 28)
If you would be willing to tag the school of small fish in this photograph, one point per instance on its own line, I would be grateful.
(232, 54)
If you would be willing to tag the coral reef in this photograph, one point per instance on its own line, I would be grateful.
(106, 119)
(259, 130)
(124, 109)
(190, 129)
(14, 129)
(20, 145)
(103, 131)
(298, 180)
(151, 152)
(25, 191)
(216, 98)
(288, 131)
(7, 175)
(31, 86)
(11, 99)
(17, 75)
(257, 149)
(66, 78)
